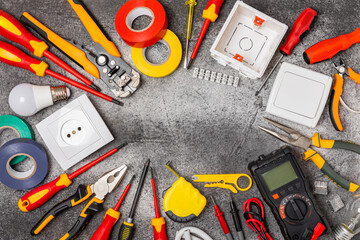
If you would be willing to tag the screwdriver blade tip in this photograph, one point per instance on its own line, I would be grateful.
(117, 102)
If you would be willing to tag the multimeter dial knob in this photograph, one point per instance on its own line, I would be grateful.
(295, 207)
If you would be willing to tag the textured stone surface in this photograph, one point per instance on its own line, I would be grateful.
(201, 126)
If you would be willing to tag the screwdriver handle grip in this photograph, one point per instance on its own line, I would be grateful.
(40, 195)
(15, 57)
(158, 225)
(126, 231)
(212, 10)
(220, 216)
(299, 28)
(104, 230)
(328, 48)
(14, 31)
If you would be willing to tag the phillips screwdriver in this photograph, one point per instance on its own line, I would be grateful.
(328, 48)
(236, 218)
(13, 30)
(17, 58)
(158, 223)
(300, 27)
(191, 5)
(111, 217)
(127, 229)
(40, 195)
(220, 215)
(210, 13)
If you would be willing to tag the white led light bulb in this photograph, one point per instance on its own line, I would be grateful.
(26, 99)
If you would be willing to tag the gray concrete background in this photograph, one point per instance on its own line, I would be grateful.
(202, 127)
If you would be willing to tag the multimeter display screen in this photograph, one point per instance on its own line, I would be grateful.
(279, 176)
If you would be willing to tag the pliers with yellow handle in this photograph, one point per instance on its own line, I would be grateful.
(105, 63)
(337, 91)
(299, 140)
(106, 184)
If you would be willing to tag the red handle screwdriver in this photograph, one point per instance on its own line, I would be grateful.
(220, 215)
(300, 27)
(13, 30)
(15, 57)
(111, 217)
(210, 13)
(328, 48)
(158, 223)
(40, 195)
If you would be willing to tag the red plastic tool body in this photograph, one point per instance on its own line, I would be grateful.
(158, 222)
(213, 6)
(220, 215)
(23, 37)
(55, 186)
(300, 26)
(104, 230)
(328, 48)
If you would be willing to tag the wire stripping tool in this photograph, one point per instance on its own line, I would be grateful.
(106, 184)
(338, 90)
(106, 64)
(226, 181)
(298, 140)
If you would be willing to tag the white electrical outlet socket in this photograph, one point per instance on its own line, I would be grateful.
(74, 132)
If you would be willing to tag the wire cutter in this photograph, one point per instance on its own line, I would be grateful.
(298, 140)
(105, 63)
(106, 184)
(338, 91)
(226, 181)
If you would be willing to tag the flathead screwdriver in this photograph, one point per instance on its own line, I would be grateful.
(301, 26)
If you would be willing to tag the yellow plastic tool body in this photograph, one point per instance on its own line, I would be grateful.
(183, 201)
(96, 34)
(226, 181)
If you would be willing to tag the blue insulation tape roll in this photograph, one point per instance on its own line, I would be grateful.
(23, 180)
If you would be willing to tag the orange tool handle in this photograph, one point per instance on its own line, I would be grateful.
(13, 30)
(336, 93)
(326, 49)
(40, 195)
(15, 57)
(158, 225)
(104, 230)
(212, 10)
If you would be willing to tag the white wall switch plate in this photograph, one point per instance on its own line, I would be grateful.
(299, 94)
(248, 40)
(74, 132)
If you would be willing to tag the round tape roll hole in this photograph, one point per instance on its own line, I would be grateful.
(163, 69)
(20, 127)
(27, 148)
(150, 34)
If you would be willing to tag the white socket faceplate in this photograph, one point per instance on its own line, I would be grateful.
(74, 132)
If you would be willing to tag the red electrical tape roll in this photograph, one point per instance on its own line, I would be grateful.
(145, 37)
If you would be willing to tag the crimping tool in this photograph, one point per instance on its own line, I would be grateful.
(226, 181)
(105, 64)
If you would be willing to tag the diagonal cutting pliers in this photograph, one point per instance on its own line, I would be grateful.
(106, 184)
(105, 63)
(337, 91)
(299, 140)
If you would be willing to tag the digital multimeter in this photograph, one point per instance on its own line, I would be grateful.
(284, 188)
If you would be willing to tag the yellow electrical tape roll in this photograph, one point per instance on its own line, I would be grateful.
(163, 69)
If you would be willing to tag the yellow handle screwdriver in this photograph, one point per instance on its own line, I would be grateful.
(191, 4)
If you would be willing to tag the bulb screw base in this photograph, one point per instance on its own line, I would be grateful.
(59, 93)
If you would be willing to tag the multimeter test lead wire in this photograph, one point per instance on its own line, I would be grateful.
(236, 218)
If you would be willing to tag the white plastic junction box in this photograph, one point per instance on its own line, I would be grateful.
(248, 40)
